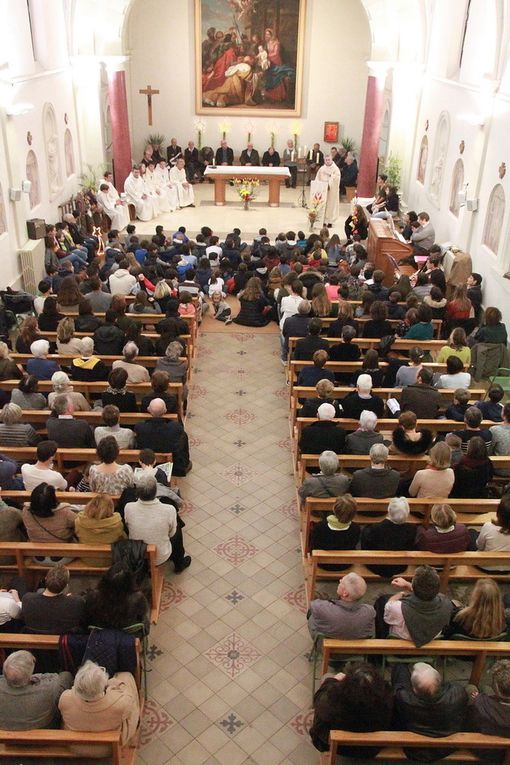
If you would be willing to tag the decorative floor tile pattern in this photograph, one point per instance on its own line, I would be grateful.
(228, 681)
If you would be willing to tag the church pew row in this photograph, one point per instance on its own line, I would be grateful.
(400, 344)
(93, 390)
(472, 512)
(147, 319)
(399, 462)
(23, 561)
(361, 320)
(454, 566)
(186, 339)
(477, 649)
(65, 455)
(73, 497)
(392, 744)
(38, 417)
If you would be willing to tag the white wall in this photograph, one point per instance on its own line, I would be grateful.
(337, 44)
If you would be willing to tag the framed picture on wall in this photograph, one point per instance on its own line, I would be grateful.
(249, 57)
(331, 131)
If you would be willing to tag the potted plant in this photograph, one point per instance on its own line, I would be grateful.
(156, 140)
(349, 144)
(393, 169)
(91, 177)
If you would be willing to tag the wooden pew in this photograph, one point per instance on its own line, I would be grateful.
(361, 320)
(24, 554)
(392, 743)
(63, 455)
(478, 649)
(474, 512)
(147, 319)
(73, 497)
(400, 344)
(186, 339)
(458, 566)
(94, 417)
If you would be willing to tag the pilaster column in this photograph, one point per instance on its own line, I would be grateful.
(371, 127)
(121, 140)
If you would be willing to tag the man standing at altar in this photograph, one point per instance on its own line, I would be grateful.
(184, 189)
(173, 152)
(224, 155)
(250, 156)
(290, 161)
(136, 195)
(192, 163)
(328, 177)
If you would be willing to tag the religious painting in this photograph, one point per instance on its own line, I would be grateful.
(331, 130)
(422, 161)
(249, 56)
(494, 219)
(32, 173)
(457, 184)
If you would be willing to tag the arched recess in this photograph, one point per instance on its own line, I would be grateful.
(32, 173)
(494, 219)
(69, 153)
(439, 157)
(456, 187)
(52, 148)
(422, 160)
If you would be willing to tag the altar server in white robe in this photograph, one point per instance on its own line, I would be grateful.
(184, 189)
(150, 185)
(121, 208)
(329, 175)
(136, 194)
(169, 200)
(118, 213)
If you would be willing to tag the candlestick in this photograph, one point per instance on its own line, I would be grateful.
(214, 161)
(224, 134)
(317, 158)
(310, 155)
(292, 155)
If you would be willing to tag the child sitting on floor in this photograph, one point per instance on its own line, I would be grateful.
(221, 309)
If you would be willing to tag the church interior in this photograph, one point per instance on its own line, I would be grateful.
(254, 381)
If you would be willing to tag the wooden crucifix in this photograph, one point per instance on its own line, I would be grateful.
(149, 91)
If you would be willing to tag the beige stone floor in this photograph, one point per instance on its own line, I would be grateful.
(229, 680)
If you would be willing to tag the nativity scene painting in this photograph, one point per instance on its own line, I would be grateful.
(249, 56)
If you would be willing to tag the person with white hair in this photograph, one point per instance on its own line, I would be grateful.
(62, 386)
(87, 367)
(164, 436)
(346, 618)
(323, 435)
(377, 481)
(14, 432)
(393, 533)
(155, 522)
(136, 372)
(362, 399)
(30, 700)
(65, 429)
(425, 704)
(40, 365)
(328, 482)
(98, 703)
(362, 440)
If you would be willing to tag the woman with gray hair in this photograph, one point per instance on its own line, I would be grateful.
(136, 372)
(394, 533)
(362, 440)
(328, 482)
(96, 703)
(87, 367)
(62, 385)
(40, 365)
(175, 366)
(14, 432)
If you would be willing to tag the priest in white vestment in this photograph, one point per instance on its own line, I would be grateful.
(329, 175)
(184, 189)
(117, 212)
(150, 186)
(121, 208)
(136, 194)
(169, 200)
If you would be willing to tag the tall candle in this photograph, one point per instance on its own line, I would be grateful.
(317, 158)
(310, 156)
(292, 155)
(214, 161)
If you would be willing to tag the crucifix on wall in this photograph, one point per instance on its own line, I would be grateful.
(149, 91)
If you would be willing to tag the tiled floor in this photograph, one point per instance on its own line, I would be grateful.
(229, 680)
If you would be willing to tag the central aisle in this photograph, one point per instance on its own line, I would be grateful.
(230, 682)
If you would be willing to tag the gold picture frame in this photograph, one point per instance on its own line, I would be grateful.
(268, 81)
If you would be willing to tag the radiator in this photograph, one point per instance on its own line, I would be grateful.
(31, 260)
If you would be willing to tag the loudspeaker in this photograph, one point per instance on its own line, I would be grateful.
(36, 228)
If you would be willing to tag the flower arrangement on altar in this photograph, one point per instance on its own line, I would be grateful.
(246, 189)
(316, 203)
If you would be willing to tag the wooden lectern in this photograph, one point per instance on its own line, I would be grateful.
(385, 250)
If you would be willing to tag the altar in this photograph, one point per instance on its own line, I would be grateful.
(222, 174)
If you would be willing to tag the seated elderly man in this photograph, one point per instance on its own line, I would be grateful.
(490, 714)
(87, 367)
(393, 533)
(323, 434)
(426, 705)
(97, 703)
(164, 436)
(362, 440)
(66, 430)
(346, 618)
(136, 372)
(29, 700)
(362, 399)
(156, 523)
(420, 611)
(377, 481)
(125, 437)
(328, 482)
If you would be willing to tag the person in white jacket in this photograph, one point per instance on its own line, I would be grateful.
(121, 282)
(116, 211)
(136, 195)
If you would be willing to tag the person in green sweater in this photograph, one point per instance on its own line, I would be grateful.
(493, 331)
(423, 328)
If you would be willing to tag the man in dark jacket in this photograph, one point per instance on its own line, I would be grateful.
(109, 339)
(162, 435)
(422, 398)
(67, 431)
(426, 705)
(224, 154)
(307, 345)
(323, 435)
(362, 398)
(491, 714)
